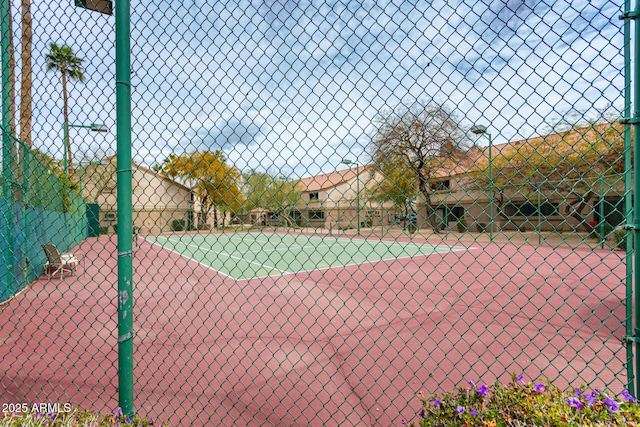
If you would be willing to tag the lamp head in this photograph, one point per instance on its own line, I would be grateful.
(97, 127)
(479, 130)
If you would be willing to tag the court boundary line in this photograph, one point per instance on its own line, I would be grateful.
(228, 255)
(188, 257)
(339, 239)
(354, 264)
(343, 245)
(288, 273)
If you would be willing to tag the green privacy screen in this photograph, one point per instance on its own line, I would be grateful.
(38, 209)
(336, 206)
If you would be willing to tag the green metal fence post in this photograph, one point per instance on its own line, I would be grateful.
(636, 211)
(25, 212)
(628, 202)
(601, 212)
(65, 136)
(539, 225)
(123, 159)
(5, 16)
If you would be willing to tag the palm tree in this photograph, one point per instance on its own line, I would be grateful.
(12, 84)
(64, 60)
(26, 75)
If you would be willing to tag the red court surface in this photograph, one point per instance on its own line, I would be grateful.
(348, 346)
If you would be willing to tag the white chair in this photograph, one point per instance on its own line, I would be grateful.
(58, 263)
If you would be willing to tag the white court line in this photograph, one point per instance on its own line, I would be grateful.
(187, 257)
(234, 257)
(331, 267)
(342, 242)
(437, 249)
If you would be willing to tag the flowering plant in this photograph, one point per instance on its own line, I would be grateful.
(73, 418)
(526, 404)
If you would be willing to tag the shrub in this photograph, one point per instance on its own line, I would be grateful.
(526, 405)
(72, 418)
(620, 239)
(600, 231)
(178, 225)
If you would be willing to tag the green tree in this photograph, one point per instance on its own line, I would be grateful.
(210, 177)
(399, 187)
(276, 194)
(49, 164)
(49, 188)
(420, 141)
(62, 59)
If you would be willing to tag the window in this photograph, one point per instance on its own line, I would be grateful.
(313, 196)
(454, 213)
(440, 185)
(531, 209)
(316, 215)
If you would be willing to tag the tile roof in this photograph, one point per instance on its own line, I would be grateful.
(559, 142)
(329, 180)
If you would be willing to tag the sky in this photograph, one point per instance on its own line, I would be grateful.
(295, 87)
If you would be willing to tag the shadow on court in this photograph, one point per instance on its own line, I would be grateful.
(343, 346)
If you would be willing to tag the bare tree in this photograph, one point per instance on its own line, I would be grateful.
(425, 139)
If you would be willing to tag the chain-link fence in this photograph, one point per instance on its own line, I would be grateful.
(327, 207)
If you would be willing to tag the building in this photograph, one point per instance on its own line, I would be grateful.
(564, 181)
(159, 204)
(341, 200)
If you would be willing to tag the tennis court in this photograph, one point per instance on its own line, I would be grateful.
(319, 347)
(250, 255)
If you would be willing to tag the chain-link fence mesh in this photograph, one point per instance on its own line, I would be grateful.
(336, 205)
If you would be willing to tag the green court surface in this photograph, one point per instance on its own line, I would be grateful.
(244, 256)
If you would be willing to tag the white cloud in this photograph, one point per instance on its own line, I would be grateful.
(298, 84)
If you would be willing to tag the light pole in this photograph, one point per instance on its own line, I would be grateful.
(482, 130)
(94, 127)
(350, 162)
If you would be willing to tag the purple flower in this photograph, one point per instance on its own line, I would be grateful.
(574, 402)
(128, 419)
(471, 383)
(422, 413)
(578, 392)
(539, 388)
(627, 397)
(118, 412)
(404, 422)
(460, 409)
(483, 390)
(591, 398)
(473, 412)
(437, 402)
(520, 379)
(611, 404)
